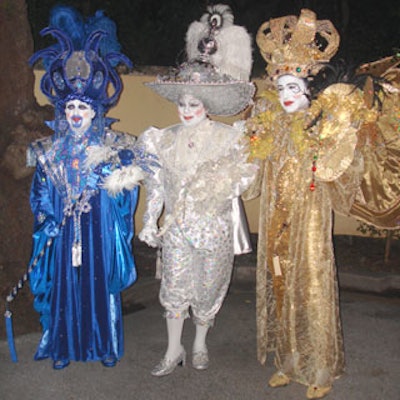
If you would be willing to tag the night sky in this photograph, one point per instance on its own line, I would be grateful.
(152, 31)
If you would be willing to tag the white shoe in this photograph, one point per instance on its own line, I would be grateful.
(166, 366)
(200, 360)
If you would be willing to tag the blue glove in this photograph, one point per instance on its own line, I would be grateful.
(51, 228)
(126, 156)
(103, 169)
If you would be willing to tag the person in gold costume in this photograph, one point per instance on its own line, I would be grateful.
(316, 150)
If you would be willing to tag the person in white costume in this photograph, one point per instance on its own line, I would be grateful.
(203, 170)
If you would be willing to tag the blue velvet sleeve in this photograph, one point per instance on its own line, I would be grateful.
(123, 271)
(40, 200)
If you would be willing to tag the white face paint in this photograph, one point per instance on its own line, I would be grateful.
(191, 110)
(292, 93)
(79, 116)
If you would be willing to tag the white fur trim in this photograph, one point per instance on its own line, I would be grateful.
(124, 178)
(95, 155)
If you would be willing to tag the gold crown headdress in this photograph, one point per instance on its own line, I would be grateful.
(297, 46)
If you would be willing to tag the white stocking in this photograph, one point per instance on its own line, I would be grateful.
(200, 339)
(174, 330)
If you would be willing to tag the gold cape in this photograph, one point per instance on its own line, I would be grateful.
(378, 200)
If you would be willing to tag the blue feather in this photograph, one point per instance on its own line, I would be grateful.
(110, 43)
(70, 21)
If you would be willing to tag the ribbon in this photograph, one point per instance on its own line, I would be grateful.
(10, 335)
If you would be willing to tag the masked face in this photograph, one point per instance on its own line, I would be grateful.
(292, 93)
(191, 110)
(79, 116)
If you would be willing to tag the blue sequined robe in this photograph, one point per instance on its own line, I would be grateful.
(79, 306)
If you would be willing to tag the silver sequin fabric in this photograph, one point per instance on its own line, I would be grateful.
(203, 168)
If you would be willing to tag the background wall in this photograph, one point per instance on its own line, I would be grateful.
(139, 107)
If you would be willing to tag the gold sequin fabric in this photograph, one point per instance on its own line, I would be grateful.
(297, 292)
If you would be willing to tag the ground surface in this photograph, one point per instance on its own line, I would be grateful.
(353, 254)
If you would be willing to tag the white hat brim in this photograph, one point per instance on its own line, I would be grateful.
(219, 98)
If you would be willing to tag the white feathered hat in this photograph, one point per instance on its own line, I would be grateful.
(218, 68)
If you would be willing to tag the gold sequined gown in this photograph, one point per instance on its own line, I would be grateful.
(308, 169)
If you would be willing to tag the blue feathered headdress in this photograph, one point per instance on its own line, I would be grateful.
(82, 64)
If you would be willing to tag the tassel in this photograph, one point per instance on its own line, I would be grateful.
(11, 296)
(77, 254)
(10, 335)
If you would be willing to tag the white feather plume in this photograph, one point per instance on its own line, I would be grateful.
(222, 11)
(234, 46)
(95, 155)
(124, 178)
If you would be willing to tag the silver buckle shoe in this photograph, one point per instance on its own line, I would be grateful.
(166, 367)
(200, 360)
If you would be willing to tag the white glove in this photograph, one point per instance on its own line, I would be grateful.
(149, 235)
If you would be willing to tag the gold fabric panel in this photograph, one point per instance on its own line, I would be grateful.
(297, 311)
(378, 201)
(297, 291)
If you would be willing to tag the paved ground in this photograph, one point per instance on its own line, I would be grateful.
(371, 326)
(370, 305)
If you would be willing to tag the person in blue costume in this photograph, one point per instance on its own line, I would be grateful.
(83, 197)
